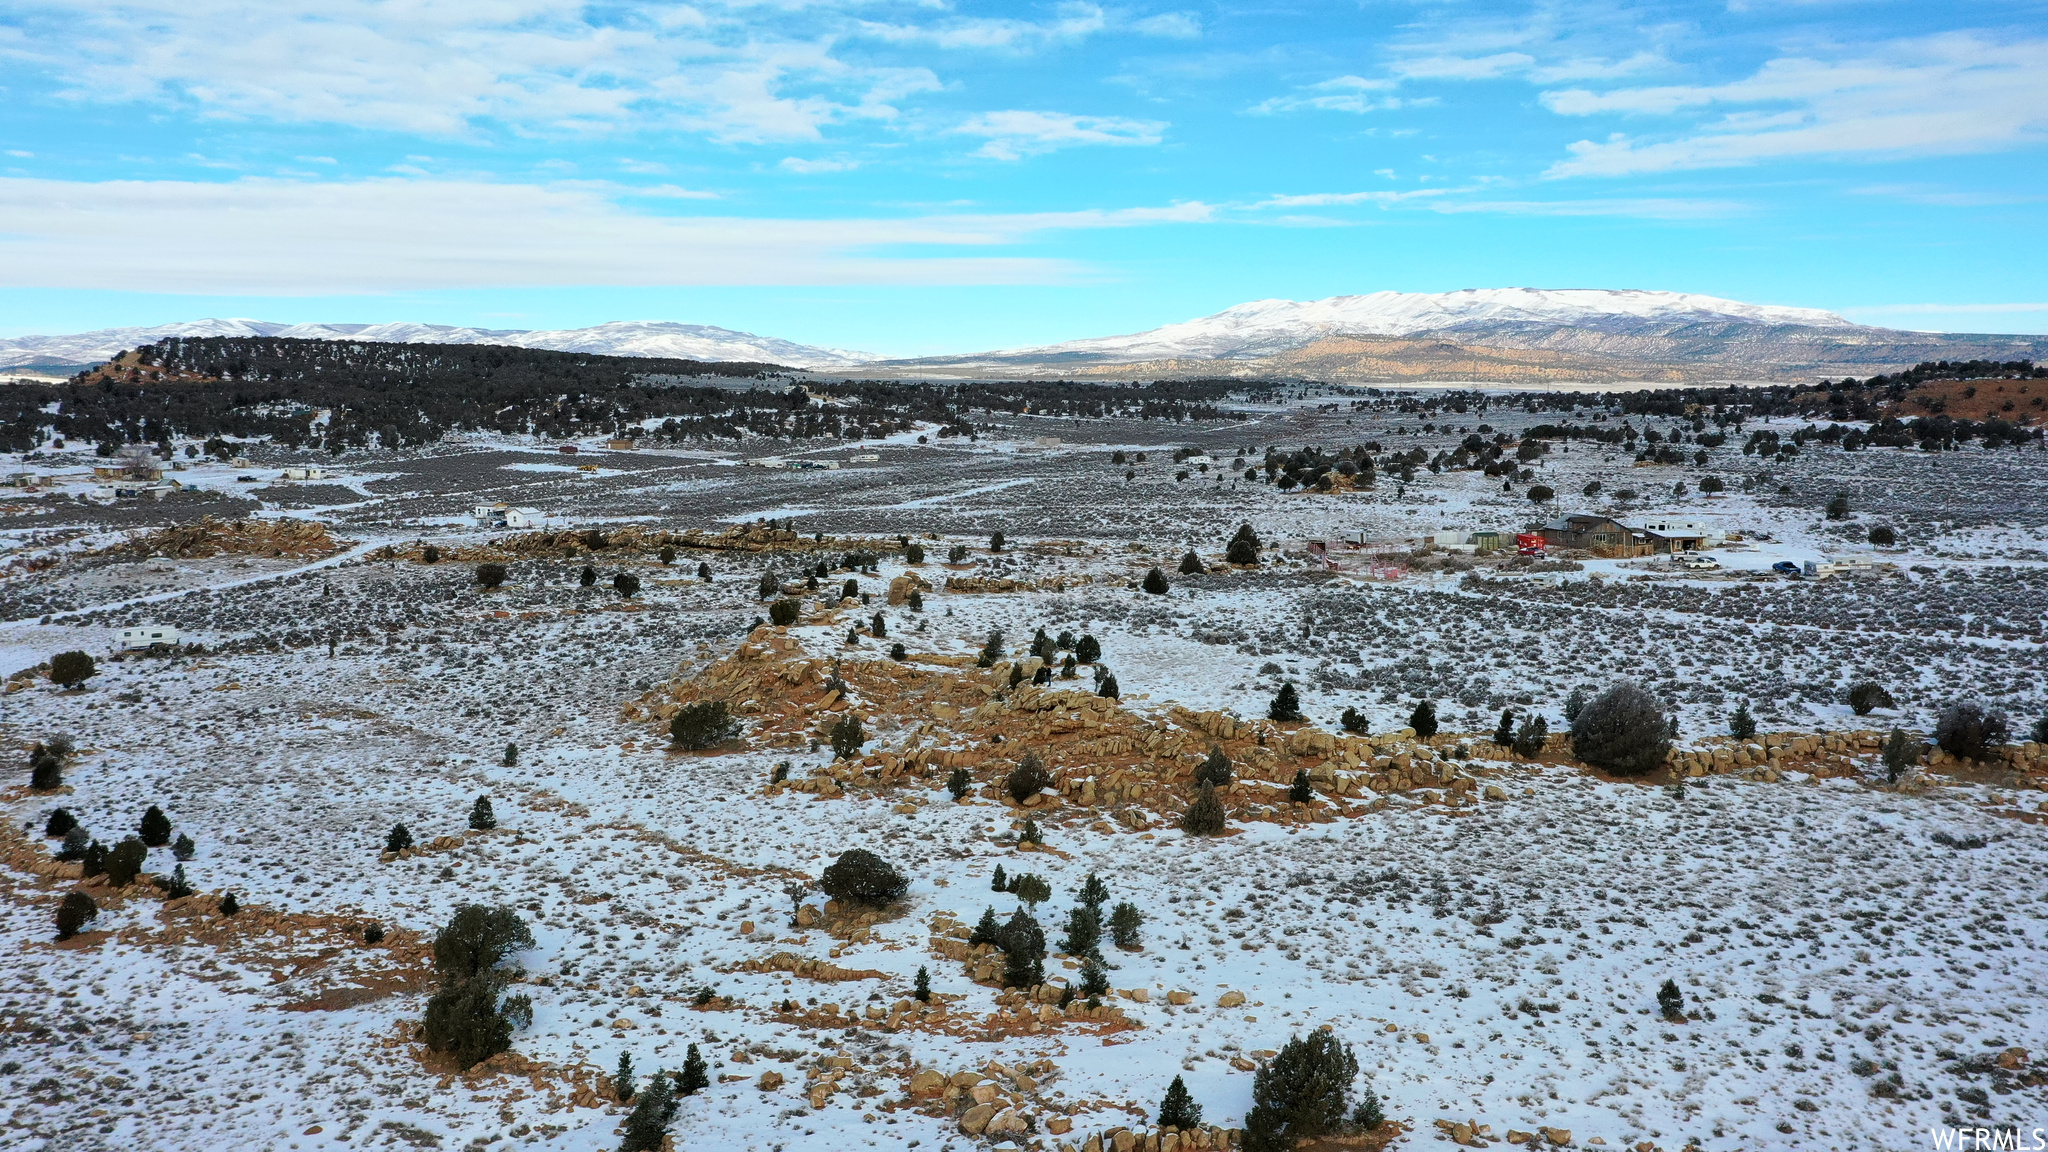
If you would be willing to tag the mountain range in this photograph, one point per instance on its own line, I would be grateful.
(619, 338)
(1507, 335)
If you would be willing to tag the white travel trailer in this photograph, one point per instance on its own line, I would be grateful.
(149, 635)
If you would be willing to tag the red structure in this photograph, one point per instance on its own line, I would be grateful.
(1529, 544)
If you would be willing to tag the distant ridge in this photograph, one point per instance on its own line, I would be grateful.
(657, 338)
(1593, 334)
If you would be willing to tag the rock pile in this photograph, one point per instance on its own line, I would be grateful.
(211, 537)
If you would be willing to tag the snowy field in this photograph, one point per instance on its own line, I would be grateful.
(1858, 963)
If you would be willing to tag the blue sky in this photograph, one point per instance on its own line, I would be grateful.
(911, 178)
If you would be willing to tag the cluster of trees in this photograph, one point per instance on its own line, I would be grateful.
(119, 865)
(470, 1018)
(1302, 1093)
(401, 395)
(1021, 940)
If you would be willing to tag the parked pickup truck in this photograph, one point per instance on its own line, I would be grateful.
(1786, 568)
(1698, 563)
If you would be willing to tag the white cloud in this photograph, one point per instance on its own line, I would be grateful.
(1340, 94)
(1462, 68)
(1952, 93)
(1016, 134)
(1450, 201)
(803, 167)
(1170, 26)
(287, 237)
(547, 66)
(1326, 199)
(1642, 207)
(1071, 22)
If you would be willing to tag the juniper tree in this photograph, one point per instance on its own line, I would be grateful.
(986, 929)
(859, 876)
(1108, 688)
(1023, 945)
(1969, 731)
(898, 652)
(995, 542)
(431, 554)
(1300, 1093)
(76, 841)
(1000, 881)
(1087, 649)
(93, 862)
(74, 912)
(1016, 675)
(850, 590)
(1622, 730)
(1094, 978)
(991, 651)
(178, 886)
(1043, 676)
(1670, 1001)
(399, 840)
(1155, 582)
(1354, 721)
(1531, 736)
(958, 782)
(1301, 791)
(1041, 645)
(1067, 667)
(784, 612)
(481, 818)
(1286, 705)
(229, 905)
(1900, 753)
(647, 1125)
(622, 1080)
(1244, 547)
(1504, 732)
(1191, 564)
(695, 1077)
(916, 603)
(922, 990)
(769, 585)
(1867, 697)
(71, 669)
(847, 737)
(1204, 816)
(373, 933)
(878, 627)
(1083, 932)
(45, 771)
(705, 724)
(1741, 724)
(704, 571)
(1423, 719)
(1574, 704)
(1215, 769)
(1031, 833)
(588, 576)
(125, 862)
(511, 759)
(1031, 889)
(1178, 1110)
(490, 575)
(61, 821)
(1369, 1115)
(1126, 925)
(155, 827)
(1093, 892)
(626, 584)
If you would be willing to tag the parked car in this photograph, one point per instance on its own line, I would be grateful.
(1786, 568)
(1699, 563)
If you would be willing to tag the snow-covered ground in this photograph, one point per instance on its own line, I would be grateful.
(1853, 971)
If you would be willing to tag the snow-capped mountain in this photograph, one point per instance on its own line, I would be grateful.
(619, 338)
(1266, 327)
